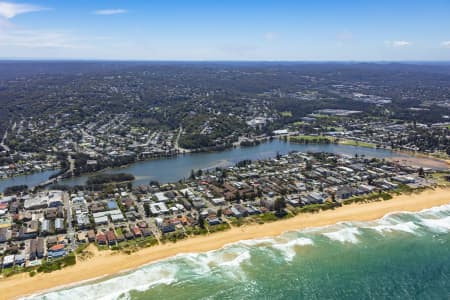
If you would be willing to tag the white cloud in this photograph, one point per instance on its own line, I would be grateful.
(108, 12)
(398, 44)
(5, 24)
(9, 10)
(446, 44)
(38, 39)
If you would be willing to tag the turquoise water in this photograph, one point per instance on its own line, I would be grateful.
(401, 256)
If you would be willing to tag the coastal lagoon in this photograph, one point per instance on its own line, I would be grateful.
(30, 180)
(403, 255)
(173, 169)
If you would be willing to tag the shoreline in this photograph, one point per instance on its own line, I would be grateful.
(110, 263)
(419, 158)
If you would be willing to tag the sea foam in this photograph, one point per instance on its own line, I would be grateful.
(437, 225)
(409, 227)
(288, 248)
(227, 262)
(113, 288)
(345, 235)
(286, 244)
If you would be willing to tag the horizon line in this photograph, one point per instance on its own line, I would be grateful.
(31, 59)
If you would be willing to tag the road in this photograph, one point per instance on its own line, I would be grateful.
(72, 163)
(88, 135)
(150, 138)
(176, 144)
(2, 144)
(71, 234)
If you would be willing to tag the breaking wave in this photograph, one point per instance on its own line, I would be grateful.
(114, 288)
(345, 235)
(232, 261)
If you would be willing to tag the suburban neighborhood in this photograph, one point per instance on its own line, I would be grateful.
(43, 226)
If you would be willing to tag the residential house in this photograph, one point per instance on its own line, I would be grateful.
(101, 239)
(111, 237)
(40, 248)
(56, 251)
(91, 236)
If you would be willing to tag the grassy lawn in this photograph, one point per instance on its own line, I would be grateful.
(220, 227)
(311, 139)
(336, 128)
(440, 179)
(320, 116)
(299, 123)
(268, 217)
(440, 155)
(320, 139)
(102, 247)
(356, 143)
(286, 114)
(305, 137)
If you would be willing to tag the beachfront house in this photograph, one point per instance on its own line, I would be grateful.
(111, 237)
(56, 251)
(8, 261)
(40, 248)
(101, 238)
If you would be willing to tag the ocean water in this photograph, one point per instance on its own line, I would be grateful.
(400, 256)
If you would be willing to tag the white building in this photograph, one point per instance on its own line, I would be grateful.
(158, 208)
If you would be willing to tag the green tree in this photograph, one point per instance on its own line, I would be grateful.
(279, 204)
(421, 172)
(201, 221)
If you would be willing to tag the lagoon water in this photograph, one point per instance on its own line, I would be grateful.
(401, 256)
(174, 169)
(30, 180)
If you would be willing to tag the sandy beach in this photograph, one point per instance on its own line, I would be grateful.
(421, 160)
(107, 262)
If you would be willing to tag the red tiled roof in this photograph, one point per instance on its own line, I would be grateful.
(56, 247)
(137, 231)
(110, 236)
(101, 237)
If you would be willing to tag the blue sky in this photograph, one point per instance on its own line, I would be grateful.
(378, 30)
